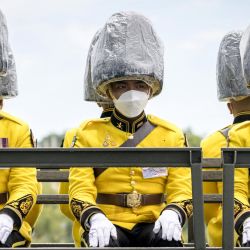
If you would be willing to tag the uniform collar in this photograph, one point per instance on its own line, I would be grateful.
(130, 125)
(107, 112)
(242, 117)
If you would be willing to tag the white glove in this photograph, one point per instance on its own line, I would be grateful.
(246, 231)
(170, 224)
(6, 227)
(100, 231)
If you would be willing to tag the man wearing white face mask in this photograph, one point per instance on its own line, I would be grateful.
(130, 97)
(133, 206)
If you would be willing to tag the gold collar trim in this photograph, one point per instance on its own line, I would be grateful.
(125, 124)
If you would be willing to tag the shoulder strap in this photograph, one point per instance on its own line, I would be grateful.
(225, 133)
(138, 136)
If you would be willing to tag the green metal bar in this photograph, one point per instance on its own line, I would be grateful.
(228, 201)
(198, 212)
(97, 157)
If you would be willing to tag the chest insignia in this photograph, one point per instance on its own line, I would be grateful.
(108, 141)
(4, 143)
(119, 125)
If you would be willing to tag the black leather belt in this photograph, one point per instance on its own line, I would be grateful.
(131, 199)
(3, 198)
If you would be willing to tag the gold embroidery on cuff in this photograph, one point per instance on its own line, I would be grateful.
(239, 207)
(78, 207)
(22, 205)
(187, 206)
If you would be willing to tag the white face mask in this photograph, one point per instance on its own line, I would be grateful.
(131, 103)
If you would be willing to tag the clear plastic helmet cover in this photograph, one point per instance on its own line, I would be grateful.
(3, 45)
(127, 49)
(245, 56)
(89, 91)
(230, 79)
(8, 83)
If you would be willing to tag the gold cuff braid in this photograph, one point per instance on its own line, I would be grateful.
(78, 207)
(22, 206)
(187, 206)
(239, 207)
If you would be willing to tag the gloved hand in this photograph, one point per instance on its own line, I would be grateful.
(100, 231)
(246, 231)
(170, 224)
(6, 227)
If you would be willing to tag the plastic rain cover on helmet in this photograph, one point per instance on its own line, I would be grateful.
(89, 91)
(127, 49)
(245, 56)
(230, 80)
(8, 78)
(3, 45)
(8, 83)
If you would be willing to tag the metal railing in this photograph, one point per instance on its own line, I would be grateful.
(41, 158)
(47, 159)
(232, 158)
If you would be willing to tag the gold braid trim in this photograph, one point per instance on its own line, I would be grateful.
(21, 206)
(239, 207)
(78, 207)
(187, 206)
(241, 212)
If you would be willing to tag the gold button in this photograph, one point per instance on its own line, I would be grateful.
(133, 183)
(131, 137)
(132, 172)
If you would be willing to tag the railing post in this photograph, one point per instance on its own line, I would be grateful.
(228, 204)
(198, 211)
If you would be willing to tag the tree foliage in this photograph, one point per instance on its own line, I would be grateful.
(52, 225)
(192, 138)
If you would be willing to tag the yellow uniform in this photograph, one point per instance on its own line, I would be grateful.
(35, 211)
(18, 186)
(211, 147)
(64, 186)
(84, 187)
(68, 142)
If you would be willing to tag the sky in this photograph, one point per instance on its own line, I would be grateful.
(50, 41)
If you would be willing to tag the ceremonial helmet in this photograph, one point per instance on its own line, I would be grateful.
(230, 79)
(127, 48)
(8, 77)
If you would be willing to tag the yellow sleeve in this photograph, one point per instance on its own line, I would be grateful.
(64, 186)
(179, 189)
(22, 185)
(82, 194)
(241, 207)
(69, 138)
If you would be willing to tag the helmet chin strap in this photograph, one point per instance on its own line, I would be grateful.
(111, 94)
